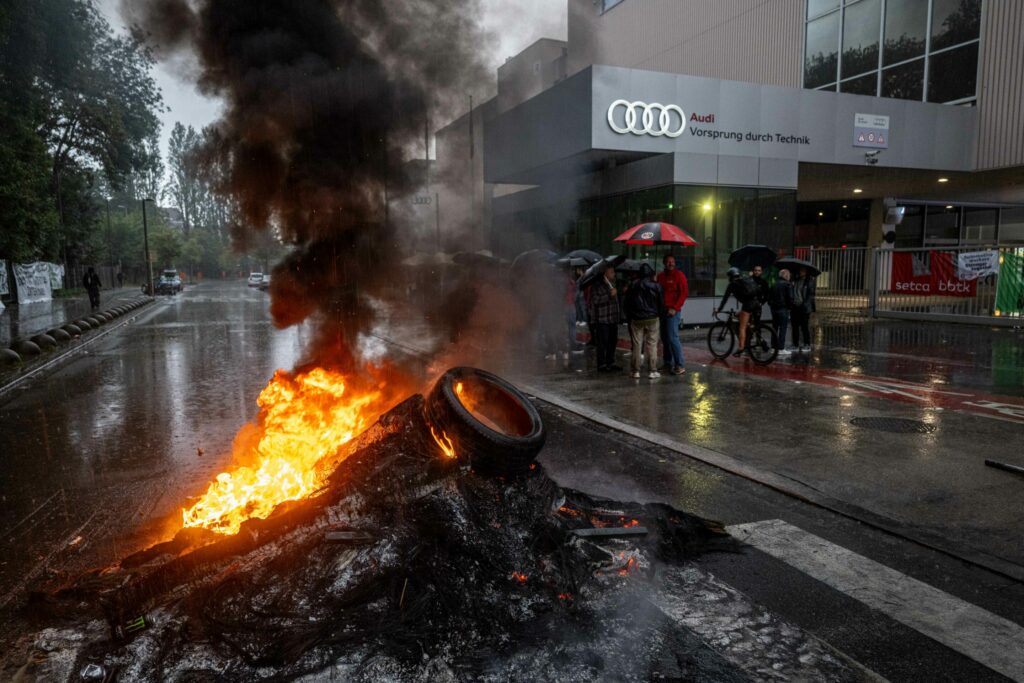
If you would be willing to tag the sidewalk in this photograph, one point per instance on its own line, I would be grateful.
(22, 322)
(791, 426)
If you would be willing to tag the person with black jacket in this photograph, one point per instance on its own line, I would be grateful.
(644, 306)
(803, 305)
(748, 296)
(91, 282)
(764, 291)
(780, 300)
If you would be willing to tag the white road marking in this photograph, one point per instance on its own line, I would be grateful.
(747, 635)
(976, 633)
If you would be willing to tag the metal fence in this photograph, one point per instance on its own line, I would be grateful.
(844, 283)
(974, 284)
(960, 284)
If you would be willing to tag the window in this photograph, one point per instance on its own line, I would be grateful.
(904, 82)
(954, 22)
(1011, 226)
(860, 38)
(953, 75)
(937, 37)
(910, 232)
(608, 4)
(816, 7)
(980, 226)
(942, 226)
(822, 55)
(906, 28)
(864, 85)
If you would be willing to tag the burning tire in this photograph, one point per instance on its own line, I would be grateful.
(489, 420)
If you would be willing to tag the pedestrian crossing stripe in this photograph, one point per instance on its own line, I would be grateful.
(988, 639)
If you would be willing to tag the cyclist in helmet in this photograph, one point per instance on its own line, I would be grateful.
(747, 293)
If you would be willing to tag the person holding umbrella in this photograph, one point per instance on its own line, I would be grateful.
(781, 302)
(604, 316)
(804, 290)
(674, 289)
(672, 281)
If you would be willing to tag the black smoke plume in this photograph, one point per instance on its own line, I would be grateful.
(324, 102)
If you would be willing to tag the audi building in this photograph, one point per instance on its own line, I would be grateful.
(791, 123)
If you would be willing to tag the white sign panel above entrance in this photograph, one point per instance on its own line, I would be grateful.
(871, 130)
(638, 118)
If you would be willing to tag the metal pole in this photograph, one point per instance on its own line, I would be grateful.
(110, 254)
(873, 291)
(145, 239)
(437, 219)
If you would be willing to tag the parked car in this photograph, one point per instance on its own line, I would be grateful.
(265, 283)
(168, 283)
(255, 279)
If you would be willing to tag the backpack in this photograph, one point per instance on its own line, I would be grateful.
(798, 293)
(747, 288)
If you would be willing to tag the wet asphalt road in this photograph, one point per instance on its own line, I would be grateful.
(101, 454)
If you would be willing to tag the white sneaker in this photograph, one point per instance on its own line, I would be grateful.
(805, 349)
(551, 356)
(785, 352)
(635, 375)
(653, 374)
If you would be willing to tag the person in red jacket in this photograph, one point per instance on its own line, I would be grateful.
(676, 289)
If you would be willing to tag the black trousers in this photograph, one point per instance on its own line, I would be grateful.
(606, 336)
(801, 325)
(780, 321)
(94, 298)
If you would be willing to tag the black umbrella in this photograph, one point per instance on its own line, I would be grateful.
(750, 255)
(574, 262)
(795, 264)
(475, 259)
(632, 266)
(591, 257)
(533, 258)
(597, 270)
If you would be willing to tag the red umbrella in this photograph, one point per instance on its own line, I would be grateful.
(656, 233)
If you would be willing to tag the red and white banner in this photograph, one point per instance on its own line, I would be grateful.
(928, 273)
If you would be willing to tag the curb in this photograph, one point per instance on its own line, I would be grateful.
(127, 316)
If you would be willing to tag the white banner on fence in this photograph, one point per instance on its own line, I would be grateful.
(56, 276)
(4, 287)
(33, 282)
(974, 264)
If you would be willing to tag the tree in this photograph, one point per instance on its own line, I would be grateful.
(185, 189)
(78, 118)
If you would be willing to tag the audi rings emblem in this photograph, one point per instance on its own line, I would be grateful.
(648, 119)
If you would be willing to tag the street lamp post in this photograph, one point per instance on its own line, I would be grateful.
(145, 239)
(110, 249)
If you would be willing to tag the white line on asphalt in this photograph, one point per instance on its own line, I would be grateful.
(986, 638)
(746, 634)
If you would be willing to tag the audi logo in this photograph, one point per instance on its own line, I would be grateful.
(647, 235)
(640, 119)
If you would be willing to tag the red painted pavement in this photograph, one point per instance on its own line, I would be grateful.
(1010, 409)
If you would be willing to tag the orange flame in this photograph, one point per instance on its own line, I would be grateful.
(303, 418)
(520, 577)
(445, 443)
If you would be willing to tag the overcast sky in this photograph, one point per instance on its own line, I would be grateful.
(516, 24)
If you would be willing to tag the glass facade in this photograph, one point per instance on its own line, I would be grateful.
(832, 224)
(905, 49)
(719, 218)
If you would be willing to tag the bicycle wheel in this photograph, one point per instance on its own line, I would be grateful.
(721, 340)
(762, 344)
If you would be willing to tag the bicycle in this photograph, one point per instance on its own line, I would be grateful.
(761, 339)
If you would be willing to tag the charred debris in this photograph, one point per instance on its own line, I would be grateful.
(437, 549)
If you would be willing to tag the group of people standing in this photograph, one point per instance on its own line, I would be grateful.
(790, 301)
(651, 305)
